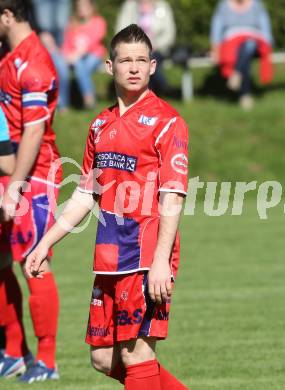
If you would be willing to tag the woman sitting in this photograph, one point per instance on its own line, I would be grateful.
(82, 50)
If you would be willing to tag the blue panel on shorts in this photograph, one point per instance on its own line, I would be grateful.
(150, 306)
(123, 232)
(40, 205)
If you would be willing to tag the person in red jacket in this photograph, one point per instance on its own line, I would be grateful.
(82, 50)
(241, 30)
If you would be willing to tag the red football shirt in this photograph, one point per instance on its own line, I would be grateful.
(128, 159)
(28, 95)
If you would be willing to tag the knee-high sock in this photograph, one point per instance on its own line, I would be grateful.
(44, 307)
(168, 381)
(11, 313)
(143, 376)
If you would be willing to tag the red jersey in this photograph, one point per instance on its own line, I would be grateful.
(128, 159)
(28, 95)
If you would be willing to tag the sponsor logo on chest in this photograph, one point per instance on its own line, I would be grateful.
(115, 160)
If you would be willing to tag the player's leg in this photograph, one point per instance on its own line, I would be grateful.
(43, 299)
(107, 360)
(16, 353)
(139, 323)
(142, 369)
(44, 309)
(105, 355)
(102, 359)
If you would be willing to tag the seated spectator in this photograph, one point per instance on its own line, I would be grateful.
(82, 50)
(155, 17)
(51, 16)
(240, 30)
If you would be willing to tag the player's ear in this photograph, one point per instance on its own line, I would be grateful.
(6, 17)
(152, 66)
(109, 67)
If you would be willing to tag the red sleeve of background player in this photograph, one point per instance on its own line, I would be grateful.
(36, 80)
(172, 147)
(87, 172)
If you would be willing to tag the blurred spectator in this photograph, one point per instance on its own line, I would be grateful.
(82, 50)
(52, 16)
(155, 17)
(240, 30)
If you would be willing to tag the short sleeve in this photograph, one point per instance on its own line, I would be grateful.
(36, 82)
(87, 171)
(172, 147)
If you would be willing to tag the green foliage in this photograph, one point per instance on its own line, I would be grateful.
(276, 10)
(193, 19)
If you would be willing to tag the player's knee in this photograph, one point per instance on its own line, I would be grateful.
(100, 361)
(137, 353)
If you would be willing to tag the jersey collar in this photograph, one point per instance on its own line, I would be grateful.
(141, 103)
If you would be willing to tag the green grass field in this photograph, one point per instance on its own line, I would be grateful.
(228, 314)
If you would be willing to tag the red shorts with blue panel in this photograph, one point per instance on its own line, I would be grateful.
(121, 310)
(35, 215)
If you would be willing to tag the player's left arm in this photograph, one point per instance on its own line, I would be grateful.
(172, 147)
(159, 278)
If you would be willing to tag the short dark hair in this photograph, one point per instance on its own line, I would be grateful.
(130, 34)
(19, 8)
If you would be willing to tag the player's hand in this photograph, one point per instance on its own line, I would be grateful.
(159, 281)
(33, 267)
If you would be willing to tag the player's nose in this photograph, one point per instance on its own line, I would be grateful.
(134, 67)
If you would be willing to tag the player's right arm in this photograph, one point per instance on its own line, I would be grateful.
(78, 206)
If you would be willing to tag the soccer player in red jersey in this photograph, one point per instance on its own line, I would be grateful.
(28, 97)
(135, 166)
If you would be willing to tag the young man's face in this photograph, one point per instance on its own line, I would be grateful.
(132, 67)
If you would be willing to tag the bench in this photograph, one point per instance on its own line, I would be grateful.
(187, 88)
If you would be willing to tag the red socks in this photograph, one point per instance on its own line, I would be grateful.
(11, 313)
(143, 376)
(44, 307)
(168, 381)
